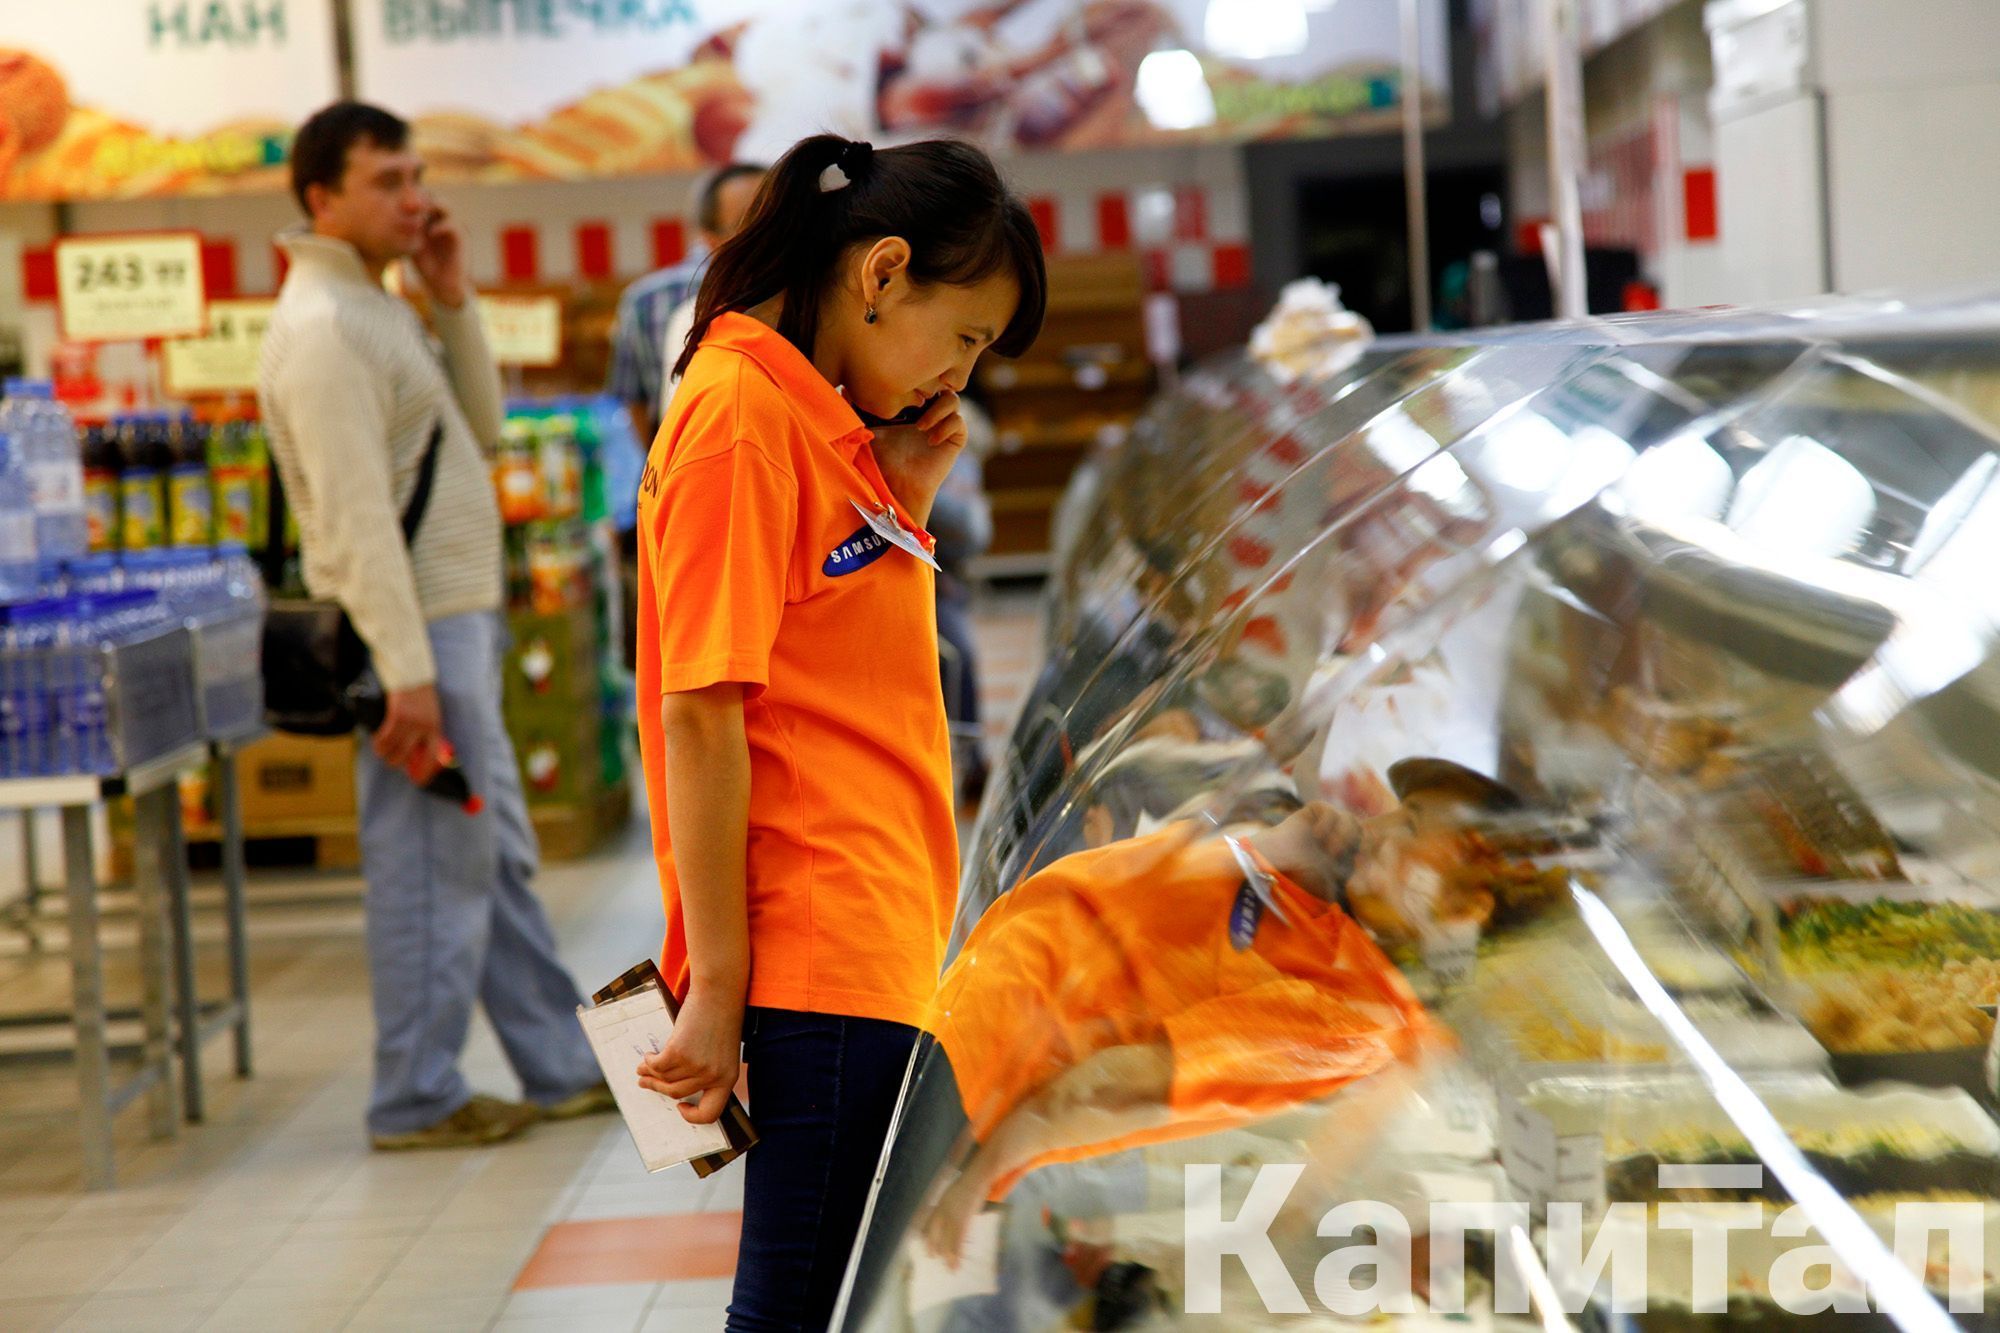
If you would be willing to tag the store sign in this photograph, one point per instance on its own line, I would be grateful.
(120, 288)
(523, 330)
(109, 99)
(223, 360)
(568, 89)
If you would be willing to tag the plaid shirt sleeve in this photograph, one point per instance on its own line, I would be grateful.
(635, 350)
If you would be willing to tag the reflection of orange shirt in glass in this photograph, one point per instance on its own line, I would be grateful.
(1129, 945)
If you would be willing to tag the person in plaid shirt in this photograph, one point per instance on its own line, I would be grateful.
(638, 354)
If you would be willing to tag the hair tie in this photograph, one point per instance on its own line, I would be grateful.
(850, 166)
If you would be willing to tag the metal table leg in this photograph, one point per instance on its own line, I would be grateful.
(150, 850)
(86, 963)
(230, 798)
(31, 866)
(180, 914)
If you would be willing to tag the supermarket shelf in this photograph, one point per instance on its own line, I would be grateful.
(1020, 565)
(1031, 498)
(83, 789)
(1090, 377)
(1069, 435)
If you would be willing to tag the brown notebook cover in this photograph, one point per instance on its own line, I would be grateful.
(735, 1120)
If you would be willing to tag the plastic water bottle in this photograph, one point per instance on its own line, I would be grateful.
(53, 458)
(72, 523)
(241, 576)
(19, 574)
(34, 627)
(95, 575)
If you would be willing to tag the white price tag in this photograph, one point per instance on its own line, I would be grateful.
(523, 330)
(130, 287)
(224, 359)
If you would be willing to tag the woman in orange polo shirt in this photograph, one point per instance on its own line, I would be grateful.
(791, 719)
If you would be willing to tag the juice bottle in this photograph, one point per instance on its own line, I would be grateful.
(102, 464)
(142, 485)
(190, 501)
(516, 475)
(257, 461)
(236, 482)
(559, 464)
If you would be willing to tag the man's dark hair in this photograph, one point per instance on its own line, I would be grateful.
(708, 198)
(319, 151)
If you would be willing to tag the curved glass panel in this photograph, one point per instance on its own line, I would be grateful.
(1516, 842)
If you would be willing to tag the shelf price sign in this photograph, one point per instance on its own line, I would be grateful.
(523, 330)
(130, 287)
(224, 359)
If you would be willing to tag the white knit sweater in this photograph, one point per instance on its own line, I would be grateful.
(350, 386)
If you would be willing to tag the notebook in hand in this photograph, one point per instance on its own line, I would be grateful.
(629, 1019)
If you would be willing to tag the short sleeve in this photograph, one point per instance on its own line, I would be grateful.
(721, 533)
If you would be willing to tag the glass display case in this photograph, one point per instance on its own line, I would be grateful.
(1508, 834)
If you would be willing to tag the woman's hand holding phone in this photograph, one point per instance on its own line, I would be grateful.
(915, 458)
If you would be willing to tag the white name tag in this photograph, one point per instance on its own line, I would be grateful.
(891, 530)
(1254, 875)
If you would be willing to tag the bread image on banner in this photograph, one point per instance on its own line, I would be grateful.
(106, 99)
(673, 120)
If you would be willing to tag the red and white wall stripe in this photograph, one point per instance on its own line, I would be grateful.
(1183, 212)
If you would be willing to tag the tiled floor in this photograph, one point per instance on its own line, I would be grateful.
(274, 1214)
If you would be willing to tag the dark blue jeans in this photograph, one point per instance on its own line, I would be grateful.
(822, 1091)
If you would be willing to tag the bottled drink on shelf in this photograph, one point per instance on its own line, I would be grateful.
(190, 501)
(517, 474)
(238, 466)
(19, 574)
(142, 484)
(102, 464)
(49, 452)
(54, 712)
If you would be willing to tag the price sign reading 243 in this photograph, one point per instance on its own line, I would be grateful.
(119, 288)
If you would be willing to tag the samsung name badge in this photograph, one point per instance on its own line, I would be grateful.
(1252, 899)
(885, 525)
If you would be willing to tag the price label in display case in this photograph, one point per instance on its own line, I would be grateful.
(129, 287)
(523, 330)
(223, 360)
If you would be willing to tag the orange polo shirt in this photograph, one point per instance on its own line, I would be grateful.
(756, 567)
(1130, 945)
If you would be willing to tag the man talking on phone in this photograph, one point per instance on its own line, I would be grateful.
(353, 393)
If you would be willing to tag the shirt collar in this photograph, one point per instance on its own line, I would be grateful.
(325, 254)
(825, 413)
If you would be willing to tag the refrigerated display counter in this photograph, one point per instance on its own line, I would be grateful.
(1508, 833)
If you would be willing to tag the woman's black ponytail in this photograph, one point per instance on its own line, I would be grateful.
(942, 196)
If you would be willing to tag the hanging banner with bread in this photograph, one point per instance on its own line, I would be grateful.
(546, 90)
(120, 99)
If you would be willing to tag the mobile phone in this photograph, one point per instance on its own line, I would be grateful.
(909, 416)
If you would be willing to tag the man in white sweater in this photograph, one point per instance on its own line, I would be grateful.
(351, 389)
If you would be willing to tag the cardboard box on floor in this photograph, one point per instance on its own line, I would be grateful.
(287, 779)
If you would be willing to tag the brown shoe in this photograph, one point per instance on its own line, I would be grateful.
(480, 1121)
(591, 1101)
